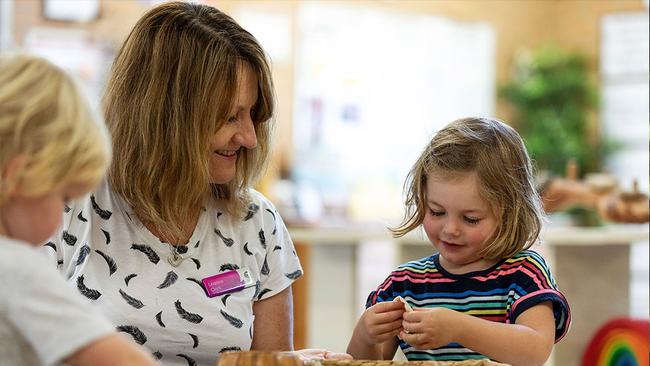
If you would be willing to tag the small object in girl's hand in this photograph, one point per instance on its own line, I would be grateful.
(406, 304)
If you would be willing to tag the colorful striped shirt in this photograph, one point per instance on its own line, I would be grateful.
(500, 293)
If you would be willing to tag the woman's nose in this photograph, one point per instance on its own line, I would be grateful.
(246, 135)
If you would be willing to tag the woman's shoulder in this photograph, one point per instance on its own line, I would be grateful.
(260, 200)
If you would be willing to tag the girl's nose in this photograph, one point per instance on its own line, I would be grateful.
(451, 228)
(246, 135)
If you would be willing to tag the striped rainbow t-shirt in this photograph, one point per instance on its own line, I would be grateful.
(500, 293)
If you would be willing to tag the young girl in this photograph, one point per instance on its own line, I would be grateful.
(484, 294)
(51, 151)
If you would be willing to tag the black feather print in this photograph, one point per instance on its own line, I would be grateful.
(59, 263)
(262, 293)
(131, 300)
(159, 320)
(68, 238)
(195, 281)
(294, 275)
(197, 244)
(170, 279)
(129, 277)
(180, 249)
(184, 314)
(157, 355)
(250, 332)
(277, 247)
(258, 287)
(104, 214)
(262, 238)
(112, 267)
(237, 323)
(83, 253)
(151, 254)
(219, 214)
(229, 242)
(81, 217)
(228, 267)
(51, 245)
(275, 227)
(197, 262)
(265, 267)
(224, 298)
(107, 235)
(87, 292)
(138, 336)
(248, 252)
(252, 210)
(66, 208)
(190, 360)
(230, 349)
(195, 340)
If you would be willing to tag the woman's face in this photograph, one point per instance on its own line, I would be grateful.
(238, 132)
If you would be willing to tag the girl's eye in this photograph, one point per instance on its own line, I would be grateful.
(437, 213)
(472, 220)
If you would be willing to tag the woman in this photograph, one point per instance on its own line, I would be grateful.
(189, 106)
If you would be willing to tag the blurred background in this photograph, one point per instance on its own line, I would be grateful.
(363, 85)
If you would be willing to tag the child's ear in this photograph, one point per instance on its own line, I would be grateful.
(10, 175)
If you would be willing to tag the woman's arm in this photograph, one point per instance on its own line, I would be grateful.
(113, 350)
(527, 342)
(273, 326)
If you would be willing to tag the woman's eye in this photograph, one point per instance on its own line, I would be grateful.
(472, 220)
(232, 119)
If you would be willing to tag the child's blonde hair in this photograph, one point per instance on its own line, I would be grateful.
(496, 154)
(44, 120)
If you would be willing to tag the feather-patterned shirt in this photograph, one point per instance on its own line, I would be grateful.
(122, 268)
(500, 293)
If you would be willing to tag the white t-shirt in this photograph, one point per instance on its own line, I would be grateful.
(42, 319)
(123, 268)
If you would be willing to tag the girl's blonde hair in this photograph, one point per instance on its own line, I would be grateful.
(44, 119)
(496, 153)
(172, 87)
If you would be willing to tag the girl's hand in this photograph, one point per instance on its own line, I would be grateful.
(429, 328)
(379, 323)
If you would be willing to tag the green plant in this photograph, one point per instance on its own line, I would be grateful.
(553, 98)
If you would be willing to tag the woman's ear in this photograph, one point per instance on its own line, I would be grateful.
(11, 175)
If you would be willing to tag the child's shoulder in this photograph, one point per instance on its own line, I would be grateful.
(528, 258)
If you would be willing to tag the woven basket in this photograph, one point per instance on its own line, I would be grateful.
(259, 358)
(404, 363)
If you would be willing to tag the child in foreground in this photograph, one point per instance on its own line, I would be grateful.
(51, 151)
(484, 294)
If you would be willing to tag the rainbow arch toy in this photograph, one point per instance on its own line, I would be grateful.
(619, 342)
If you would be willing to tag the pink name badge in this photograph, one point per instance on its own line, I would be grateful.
(227, 282)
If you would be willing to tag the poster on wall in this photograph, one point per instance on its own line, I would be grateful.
(370, 91)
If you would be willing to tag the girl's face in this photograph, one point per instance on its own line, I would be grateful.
(458, 222)
(238, 132)
(34, 219)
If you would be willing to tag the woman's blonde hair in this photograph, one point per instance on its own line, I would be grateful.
(44, 119)
(496, 154)
(172, 87)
